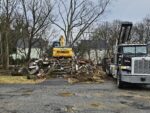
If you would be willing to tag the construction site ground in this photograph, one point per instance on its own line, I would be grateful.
(58, 96)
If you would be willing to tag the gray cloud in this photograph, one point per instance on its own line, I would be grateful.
(131, 10)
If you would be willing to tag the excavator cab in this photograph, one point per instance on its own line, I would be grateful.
(60, 43)
(56, 44)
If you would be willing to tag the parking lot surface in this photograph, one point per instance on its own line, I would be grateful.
(57, 96)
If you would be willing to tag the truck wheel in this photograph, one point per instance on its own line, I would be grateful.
(120, 84)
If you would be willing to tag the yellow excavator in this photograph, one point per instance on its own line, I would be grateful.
(62, 57)
(60, 50)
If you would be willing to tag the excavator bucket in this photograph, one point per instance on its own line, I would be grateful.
(125, 32)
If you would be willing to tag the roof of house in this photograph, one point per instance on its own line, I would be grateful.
(36, 43)
(95, 44)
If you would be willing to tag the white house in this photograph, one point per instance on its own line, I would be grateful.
(38, 48)
(95, 50)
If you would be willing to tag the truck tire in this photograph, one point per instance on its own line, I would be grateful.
(120, 84)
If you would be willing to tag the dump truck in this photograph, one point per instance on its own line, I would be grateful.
(131, 64)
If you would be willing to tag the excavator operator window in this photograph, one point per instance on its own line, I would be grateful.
(56, 44)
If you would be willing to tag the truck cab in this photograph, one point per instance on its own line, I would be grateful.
(126, 52)
(131, 62)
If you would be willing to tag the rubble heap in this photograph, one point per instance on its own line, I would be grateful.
(74, 71)
(87, 72)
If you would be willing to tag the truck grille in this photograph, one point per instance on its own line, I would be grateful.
(141, 66)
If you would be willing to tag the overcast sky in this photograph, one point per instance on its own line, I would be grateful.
(128, 10)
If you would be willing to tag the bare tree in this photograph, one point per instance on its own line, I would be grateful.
(141, 31)
(7, 16)
(36, 14)
(108, 32)
(138, 32)
(77, 16)
(146, 23)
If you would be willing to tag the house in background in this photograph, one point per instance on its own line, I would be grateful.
(94, 50)
(39, 47)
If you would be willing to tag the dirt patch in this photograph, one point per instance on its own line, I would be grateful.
(98, 95)
(26, 92)
(142, 97)
(118, 106)
(124, 94)
(66, 94)
(97, 106)
(129, 95)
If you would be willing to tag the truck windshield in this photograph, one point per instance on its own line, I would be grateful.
(142, 50)
(129, 50)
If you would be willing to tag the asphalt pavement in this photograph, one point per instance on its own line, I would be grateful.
(57, 96)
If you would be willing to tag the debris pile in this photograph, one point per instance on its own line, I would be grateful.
(75, 71)
(98, 76)
(87, 72)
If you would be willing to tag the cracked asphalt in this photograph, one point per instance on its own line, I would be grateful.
(57, 96)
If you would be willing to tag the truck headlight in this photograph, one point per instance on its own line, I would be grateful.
(125, 67)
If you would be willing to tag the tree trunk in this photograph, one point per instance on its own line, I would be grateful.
(96, 55)
(29, 50)
(5, 51)
(67, 39)
(89, 54)
(29, 53)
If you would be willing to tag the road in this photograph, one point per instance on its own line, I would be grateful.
(57, 96)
